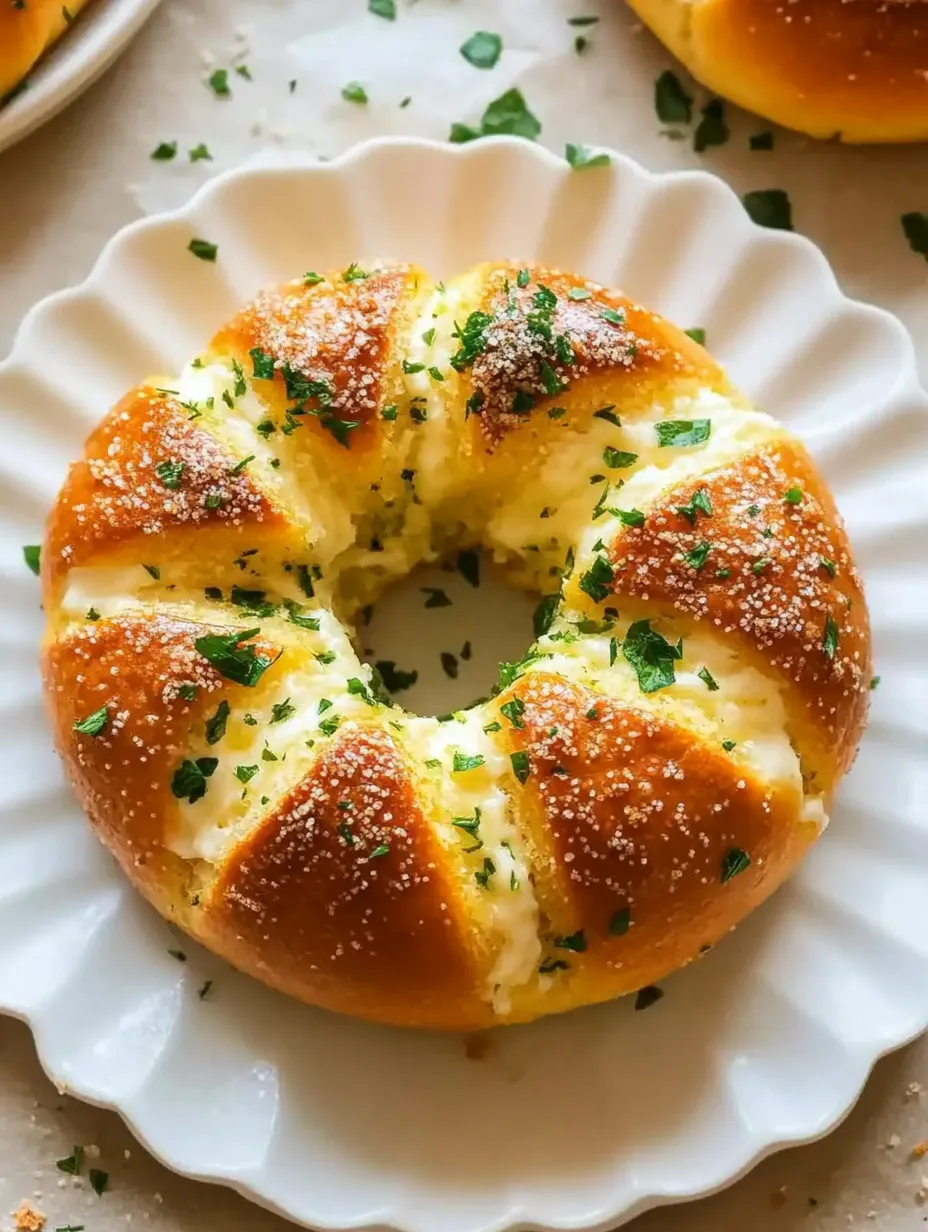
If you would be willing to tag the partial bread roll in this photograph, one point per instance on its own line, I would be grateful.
(852, 69)
(28, 28)
(649, 771)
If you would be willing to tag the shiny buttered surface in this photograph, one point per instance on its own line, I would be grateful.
(856, 70)
(648, 773)
(28, 28)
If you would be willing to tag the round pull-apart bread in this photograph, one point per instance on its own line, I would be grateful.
(647, 774)
(27, 29)
(852, 69)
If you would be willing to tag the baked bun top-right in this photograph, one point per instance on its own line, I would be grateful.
(852, 69)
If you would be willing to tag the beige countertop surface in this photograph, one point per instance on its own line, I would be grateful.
(69, 186)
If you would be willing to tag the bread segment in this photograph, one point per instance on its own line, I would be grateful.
(651, 769)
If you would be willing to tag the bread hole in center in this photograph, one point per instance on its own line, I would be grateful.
(437, 638)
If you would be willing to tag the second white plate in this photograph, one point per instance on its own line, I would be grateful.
(581, 1121)
(100, 32)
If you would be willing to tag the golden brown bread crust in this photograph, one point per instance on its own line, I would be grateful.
(852, 69)
(771, 567)
(150, 470)
(27, 31)
(646, 829)
(340, 896)
(574, 838)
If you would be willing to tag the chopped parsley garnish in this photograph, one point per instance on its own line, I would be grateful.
(354, 273)
(483, 875)
(613, 650)
(582, 156)
(734, 862)
(582, 21)
(482, 49)
(696, 557)
(608, 413)
(32, 555)
(239, 663)
(769, 207)
(648, 996)
(329, 727)
(394, 678)
(830, 637)
(382, 849)
(544, 613)
(550, 965)
(493, 727)
(793, 496)
(326, 657)
(468, 563)
(671, 102)
(199, 153)
(164, 151)
(575, 942)
(354, 92)
(761, 141)
(651, 655)
(618, 459)
(615, 316)
(94, 723)
(262, 363)
(711, 129)
(513, 711)
(875, 682)
(619, 922)
(509, 114)
(436, 596)
(98, 1180)
(597, 581)
(153, 571)
(216, 725)
(189, 779)
(728, 745)
(678, 433)
(708, 679)
(472, 337)
(245, 774)
(579, 293)
(520, 765)
(449, 664)
(760, 565)
(915, 230)
(203, 249)
(699, 502)
(281, 711)
(357, 688)
(218, 82)
(241, 464)
(629, 517)
(203, 990)
(170, 474)
(93, 614)
(382, 8)
(697, 334)
(73, 1163)
(463, 761)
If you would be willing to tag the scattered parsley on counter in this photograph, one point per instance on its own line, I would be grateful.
(99, 1180)
(449, 664)
(203, 249)
(771, 207)
(164, 152)
(915, 229)
(394, 678)
(73, 1163)
(382, 8)
(648, 996)
(32, 555)
(711, 129)
(581, 157)
(436, 596)
(506, 115)
(199, 153)
(482, 49)
(354, 92)
(218, 82)
(671, 102)
(761, 141)
(697, 333)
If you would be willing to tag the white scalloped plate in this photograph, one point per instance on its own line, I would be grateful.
(581, 1121)
(99, 34)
